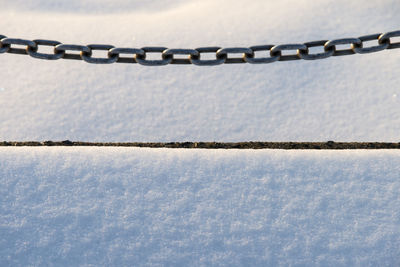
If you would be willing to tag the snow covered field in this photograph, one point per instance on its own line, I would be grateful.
(167, 207)
(352, 98)
(163, 207)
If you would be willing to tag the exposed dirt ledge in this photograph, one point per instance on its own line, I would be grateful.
(219, 145)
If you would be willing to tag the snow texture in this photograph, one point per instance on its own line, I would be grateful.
(352, 98)
(164, 207)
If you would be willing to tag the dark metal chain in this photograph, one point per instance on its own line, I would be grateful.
(273, 53)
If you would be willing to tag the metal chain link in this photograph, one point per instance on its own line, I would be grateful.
(222, 55)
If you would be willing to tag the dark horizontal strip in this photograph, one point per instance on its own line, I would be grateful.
(330, 145)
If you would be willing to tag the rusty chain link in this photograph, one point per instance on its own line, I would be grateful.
(222, 55)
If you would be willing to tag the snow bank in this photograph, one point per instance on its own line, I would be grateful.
(353, 98)
(163, 207)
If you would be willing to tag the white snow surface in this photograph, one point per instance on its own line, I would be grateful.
(352, 98)
(164, 207)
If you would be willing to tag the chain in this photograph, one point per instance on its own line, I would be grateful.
(222, 55)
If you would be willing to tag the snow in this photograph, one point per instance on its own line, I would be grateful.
(348, 98)
(169, 207)
(165, 207)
